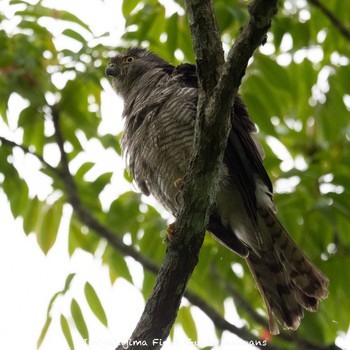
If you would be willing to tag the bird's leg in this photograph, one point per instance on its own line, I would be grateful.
(170, 232)
(179, 183)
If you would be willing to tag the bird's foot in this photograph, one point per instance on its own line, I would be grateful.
(170, 232)
(179, 183)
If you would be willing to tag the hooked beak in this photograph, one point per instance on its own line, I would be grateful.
(111, 70)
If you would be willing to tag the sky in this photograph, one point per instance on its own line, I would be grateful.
(29, 279)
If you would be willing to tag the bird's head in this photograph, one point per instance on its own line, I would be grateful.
(127, 67)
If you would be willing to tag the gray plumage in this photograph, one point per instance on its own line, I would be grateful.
(160, 110)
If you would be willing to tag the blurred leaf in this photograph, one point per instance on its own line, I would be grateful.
(81, 172)
(47, 233)
(68, 282)
(172, 33)
(74, 35)
(187, 323)
(81, 237)
(79, 320)
(117, 265)
(66, 331)
(31, 216)
(95, 304)
(128, 6)
(43, 332)
(19, 201)
(123, 213)
(32, 122)
(37, 11)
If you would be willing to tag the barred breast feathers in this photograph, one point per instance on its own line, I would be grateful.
(158, 134)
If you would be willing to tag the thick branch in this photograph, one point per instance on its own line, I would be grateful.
(206, 42)
(253, 35)
(212, 124)
(335, 21)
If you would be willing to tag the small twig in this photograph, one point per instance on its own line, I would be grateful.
(223, 324)
(335, 21)
(28, 151)
(238, 298)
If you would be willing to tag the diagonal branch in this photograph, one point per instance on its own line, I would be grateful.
(335, 21)
(26, 150)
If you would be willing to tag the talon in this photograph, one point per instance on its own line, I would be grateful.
(170, 232)
(179, 198)
(179, 183)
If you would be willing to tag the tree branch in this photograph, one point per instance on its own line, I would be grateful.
(25, 149)
(335, 21)
(223, 324)
(206, 42)
(212, 124)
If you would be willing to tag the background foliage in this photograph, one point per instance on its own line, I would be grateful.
(297, 90)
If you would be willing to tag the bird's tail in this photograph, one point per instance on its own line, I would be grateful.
(288, 281)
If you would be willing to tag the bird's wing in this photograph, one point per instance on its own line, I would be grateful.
(242, 156)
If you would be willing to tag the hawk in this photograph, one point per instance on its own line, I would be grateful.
(160, 103)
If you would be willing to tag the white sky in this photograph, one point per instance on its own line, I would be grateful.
(29, 278)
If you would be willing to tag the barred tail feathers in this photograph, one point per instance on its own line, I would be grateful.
(288, 281)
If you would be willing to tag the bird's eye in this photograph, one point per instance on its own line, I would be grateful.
(129, 59)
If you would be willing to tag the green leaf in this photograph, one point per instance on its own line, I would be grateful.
(79, 320)
(117, 265)
(78, 239)
(43, 332)
(31, 216)
(66, 331)
(74, 35)
(68, 282)
(95, 304)
(187, 322)
(128, 6)
(172, 32)
(19, 201)
(83, 170)
(100, 183)
(32, 121)
(123, 213)
(38, 11)
(275, 74)
(47, 233)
